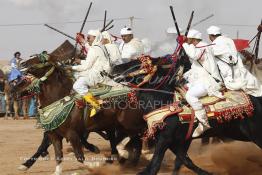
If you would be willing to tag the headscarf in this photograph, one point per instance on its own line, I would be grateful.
(106, 35)
(98, 36)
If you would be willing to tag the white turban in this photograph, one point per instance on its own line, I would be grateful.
(98, 36)
(194, 34)
(126, 31)
(94, 32)
(213, 30)
(106, 35)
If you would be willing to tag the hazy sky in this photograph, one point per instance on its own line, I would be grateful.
(154, 19)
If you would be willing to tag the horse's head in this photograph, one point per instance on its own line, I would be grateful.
(37, 64)
(32, 68)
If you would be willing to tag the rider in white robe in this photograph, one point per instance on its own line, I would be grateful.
(131, 47)
(203, 77)
(235, 75)
(89, 71)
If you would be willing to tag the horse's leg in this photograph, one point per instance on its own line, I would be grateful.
(178, 165)
(147, 149)
(181, 152)
(75, 141)
(154, 165)
(7, 106)
(42, 150)
(25, 103)
(114, 139)
(57, 143)
(164, 140)
(89, 146)
(16, 109)
(137, 145)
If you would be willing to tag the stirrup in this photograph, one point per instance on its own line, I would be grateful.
(89, 98)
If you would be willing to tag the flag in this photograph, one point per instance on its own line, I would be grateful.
(241, 44)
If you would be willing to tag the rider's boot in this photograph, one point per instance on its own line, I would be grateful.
(203, 124)
(89, 98)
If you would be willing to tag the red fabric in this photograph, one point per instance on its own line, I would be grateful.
(181, 39)
(80, 104)
(241, 44)
(79, 36)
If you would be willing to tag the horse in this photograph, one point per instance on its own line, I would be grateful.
(129, 121)
(13, 101)
(63, 53)
(173, 137)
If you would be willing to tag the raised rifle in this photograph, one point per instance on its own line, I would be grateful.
(107, 25)
(59, 31)
(257, 45)
(105, 19)
(82, 27)
(174, 19)
(189, 23)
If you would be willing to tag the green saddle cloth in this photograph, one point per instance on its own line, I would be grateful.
(54, 115)
(104, 91)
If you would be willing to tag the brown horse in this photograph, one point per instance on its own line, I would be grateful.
(58, 85)
(129, 121)
(12, 100)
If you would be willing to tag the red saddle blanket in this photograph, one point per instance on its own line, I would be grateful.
(235, 105)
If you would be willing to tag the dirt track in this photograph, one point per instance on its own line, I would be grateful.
(19, 139)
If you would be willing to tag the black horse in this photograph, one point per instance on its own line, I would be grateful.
(173, 135)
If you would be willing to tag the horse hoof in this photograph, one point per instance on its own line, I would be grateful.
(22, 168)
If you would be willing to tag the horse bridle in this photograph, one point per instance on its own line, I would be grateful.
(35, 84)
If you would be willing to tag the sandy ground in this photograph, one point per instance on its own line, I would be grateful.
(19, 140)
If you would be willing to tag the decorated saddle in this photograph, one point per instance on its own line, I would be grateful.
(235, 105)
(113, 94)
(54, 115)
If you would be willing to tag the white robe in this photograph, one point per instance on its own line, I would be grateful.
(240, 78)
(114, 54)
(131, 50)
(88, 72)
(205, 74)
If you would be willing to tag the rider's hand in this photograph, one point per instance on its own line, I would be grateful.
(259, 28)
(68, 68)
(80, 38)
(77, 61)
(181, 39)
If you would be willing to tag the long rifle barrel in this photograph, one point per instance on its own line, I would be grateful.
(105, 19)
(174, 19)
(189, 23)
(258, 41)
(109, 28)
(59, 31)
(110, 22)
(202, 20)
(87, 13)
(82, 27)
